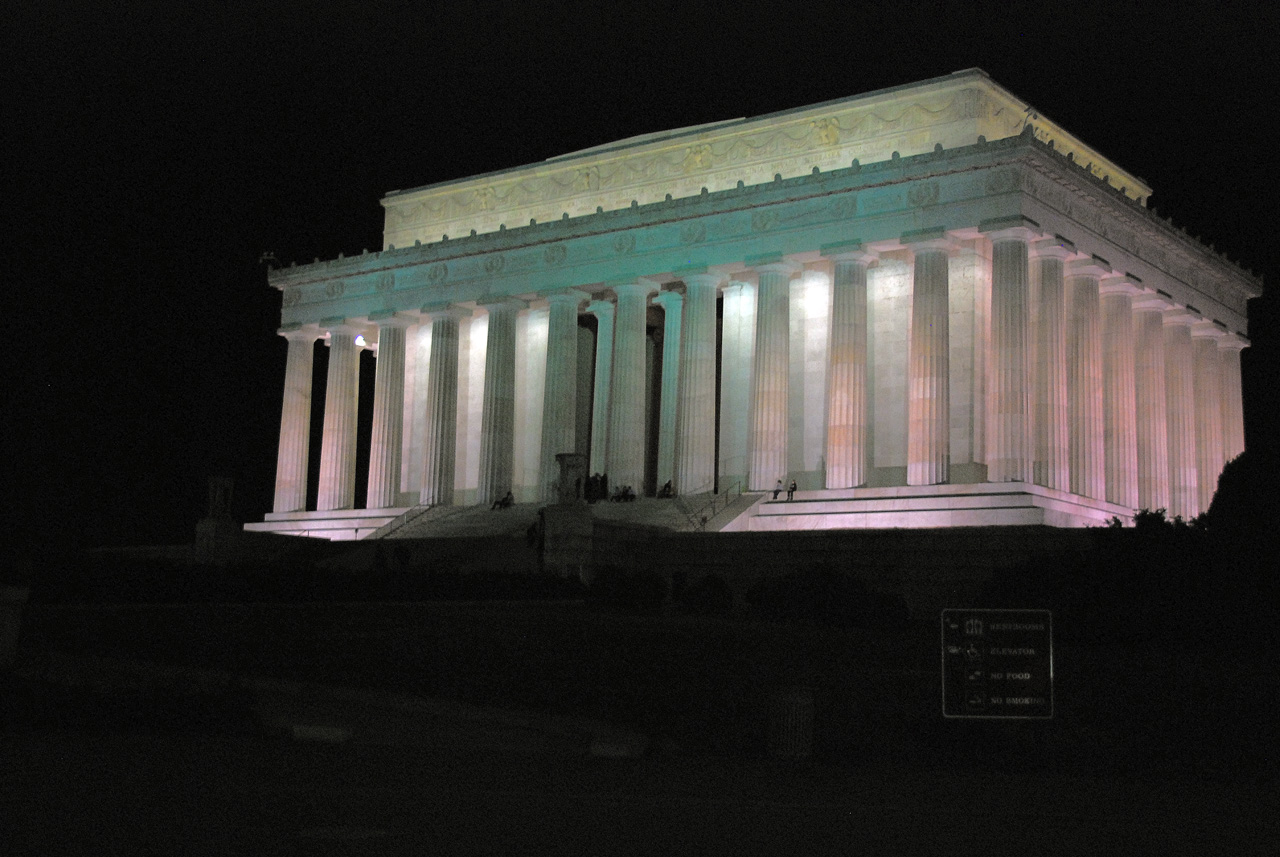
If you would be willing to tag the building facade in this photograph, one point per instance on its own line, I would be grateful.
(927, 306)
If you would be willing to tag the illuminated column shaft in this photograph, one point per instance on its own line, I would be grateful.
(671, 303)
(928, 369)
(560, 395)
(338, 443)
(1152, 410)
(695, 465)
(1084, 379)
(498, 408)
(625, 459)
(1009, 423)
(388, 413)
(603, 311)
(441, 435)
(1052, 420)
(1119, 391)
(1184, 490)
(1207, 382)
(295, 422)
(1232, 403)
(770, 377)
(847, 380)
(737, 360)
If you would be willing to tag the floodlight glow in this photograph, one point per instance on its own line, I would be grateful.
(360, 340)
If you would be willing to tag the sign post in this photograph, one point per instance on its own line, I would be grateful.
(997, 663)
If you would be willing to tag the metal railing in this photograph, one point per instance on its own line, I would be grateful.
(407, 516)
(714, 504)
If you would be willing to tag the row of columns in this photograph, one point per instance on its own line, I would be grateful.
(1095, 385)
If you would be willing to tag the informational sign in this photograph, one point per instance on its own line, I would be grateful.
(997, 663)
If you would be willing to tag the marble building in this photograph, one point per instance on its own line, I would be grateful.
(927, 305)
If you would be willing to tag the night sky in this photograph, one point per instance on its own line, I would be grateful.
(156, 150)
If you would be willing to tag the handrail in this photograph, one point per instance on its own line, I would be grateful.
(704, 513)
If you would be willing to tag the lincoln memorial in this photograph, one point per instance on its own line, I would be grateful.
(929, 306)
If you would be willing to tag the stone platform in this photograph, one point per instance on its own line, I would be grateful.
(980, 504)
(340, 525)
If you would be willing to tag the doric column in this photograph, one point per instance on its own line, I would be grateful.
(695, 464)
(737, 359)
(338, 443)
(603, 311)
(498, 409)
(560, 393)
(295, 420)
(1011, 441)
(440, 439)
(1207, 383)
(1084, 378)
(1052, 426)
(388, 410)
(1184, 490)
(672, 304)
(625, 459)
(847, 379)
(928, 367)
(1230, 347)
(1152, 412)
(771, 375)
(1119, 392)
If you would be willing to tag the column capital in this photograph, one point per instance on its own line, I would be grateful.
(1152, 301)
(667, 296)
(711, 279)
(933, 238)
(849, 251)
(1180, 315)
(567, 296)
(638, 287)
(770, 263)
(1232, 342)
(300, 332)
(1094, 267)
(435, 311)
(393, 319)
(1056, 247)
(1015, 228)
(1120, 284)
(501, 302)
(1205, 329)
(601, 308)
(341, 326)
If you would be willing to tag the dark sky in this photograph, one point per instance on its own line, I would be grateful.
(156, 150)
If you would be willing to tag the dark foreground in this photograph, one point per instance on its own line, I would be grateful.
(82, 793)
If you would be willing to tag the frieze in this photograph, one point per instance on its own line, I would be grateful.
(292, 297)
(624, 243)
(693, 233)
(495, 263)
(437, 273)
(554, 254)
(763, 219)
(385, 282)
(924, 193)
(334, 289)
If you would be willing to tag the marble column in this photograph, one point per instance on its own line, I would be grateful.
(1230, 347)
(388, 411)
(1084, 378)
(847, 379)
(771, 370)
(625, 458)
(440, 438)
(1052, 426)
(1152, 433)
(560, 393)
(672, 304)
(604, 312)
(1011, 441)
(338, 443)
(1119, 392)
(737, 359)
(928, 367)
(1207, 383)
(498, 410)
(1184, 486)
(695, 464)
(295, 420)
